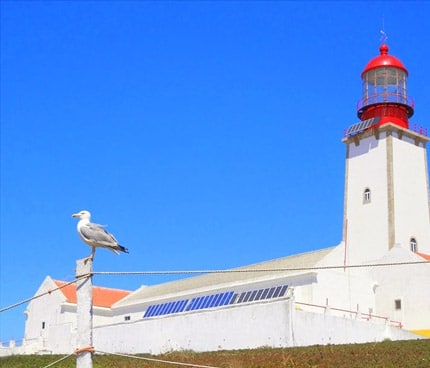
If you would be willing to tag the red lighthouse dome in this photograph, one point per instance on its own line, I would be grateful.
(384, 91)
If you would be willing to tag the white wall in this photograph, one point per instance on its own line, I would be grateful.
(247, 326)
(409, 283)
(398, 179)
(367, 224)
(47, 310)
(272, 324)
(412, 216)
(345, 288)
(322, 329)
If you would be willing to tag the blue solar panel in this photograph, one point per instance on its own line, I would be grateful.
(233, 300)
(198, 303)
(253, 294)
(258, 296)
(214, 300)
(157, 309)
(224, 299)
(283, 290)
(242, 296)
(175, 306)
(264, 293)
(169, 308)
(182, 307)
(204, 302)
(362, 126)
(163, 308)
(191, 304)
(269, 296)
(153, 312)
(229, 297)
(277, 291)
(148, 311)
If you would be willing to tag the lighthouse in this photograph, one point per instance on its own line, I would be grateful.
(386, 200)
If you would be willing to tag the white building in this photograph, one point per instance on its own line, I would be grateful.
(305, 299)
(51, 320)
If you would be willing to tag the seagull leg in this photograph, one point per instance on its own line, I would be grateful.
(91, 257)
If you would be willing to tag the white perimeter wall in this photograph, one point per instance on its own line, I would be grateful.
(266, 324)
(273, 324)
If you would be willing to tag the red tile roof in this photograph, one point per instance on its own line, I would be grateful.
(425, 256)
(102, 297)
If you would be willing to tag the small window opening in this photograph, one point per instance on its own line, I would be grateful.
(397, 304)
(126, 318)
(366, 196)
(414, 245)
(43, 325)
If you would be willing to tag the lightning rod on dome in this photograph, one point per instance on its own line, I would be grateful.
(384, 36)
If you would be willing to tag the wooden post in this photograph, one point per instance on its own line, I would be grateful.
(84, 294)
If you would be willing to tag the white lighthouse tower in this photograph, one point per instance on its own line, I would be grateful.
(386, 179)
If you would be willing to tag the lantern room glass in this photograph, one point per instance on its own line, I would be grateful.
(384, 85)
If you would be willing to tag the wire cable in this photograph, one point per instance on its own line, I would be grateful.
(45, 293)
(58, 361)
(191, 272)
(194, 272)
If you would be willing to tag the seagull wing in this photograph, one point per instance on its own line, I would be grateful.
(97, 236)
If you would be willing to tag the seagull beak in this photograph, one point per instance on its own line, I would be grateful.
(75, 215)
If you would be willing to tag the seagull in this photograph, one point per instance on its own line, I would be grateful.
(96, 236)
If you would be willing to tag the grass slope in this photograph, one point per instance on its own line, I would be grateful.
(388, 354)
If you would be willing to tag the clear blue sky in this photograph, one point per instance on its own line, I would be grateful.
(207, 135)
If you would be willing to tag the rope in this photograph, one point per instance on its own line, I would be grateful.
(85, 349)
(190, 272)
(45, 293)
(58, 361)
(158, 360)
(193, 272)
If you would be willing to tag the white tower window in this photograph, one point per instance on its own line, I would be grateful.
(366, 196)
(414, 245)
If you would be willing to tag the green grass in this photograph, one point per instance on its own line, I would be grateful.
(387, 354)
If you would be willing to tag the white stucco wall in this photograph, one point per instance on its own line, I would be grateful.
(270, 324)
(60, 322)
(412, 216)
(408, 283)
(247, 326)
(367, 225)
(402, 169)
(48, 325)
(322, 329)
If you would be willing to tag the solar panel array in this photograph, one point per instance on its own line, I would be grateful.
(361, 126)
(166, 308)
(214, 300)
(254, 295)
(210, 301)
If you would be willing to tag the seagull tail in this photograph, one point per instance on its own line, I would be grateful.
(122, 249)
